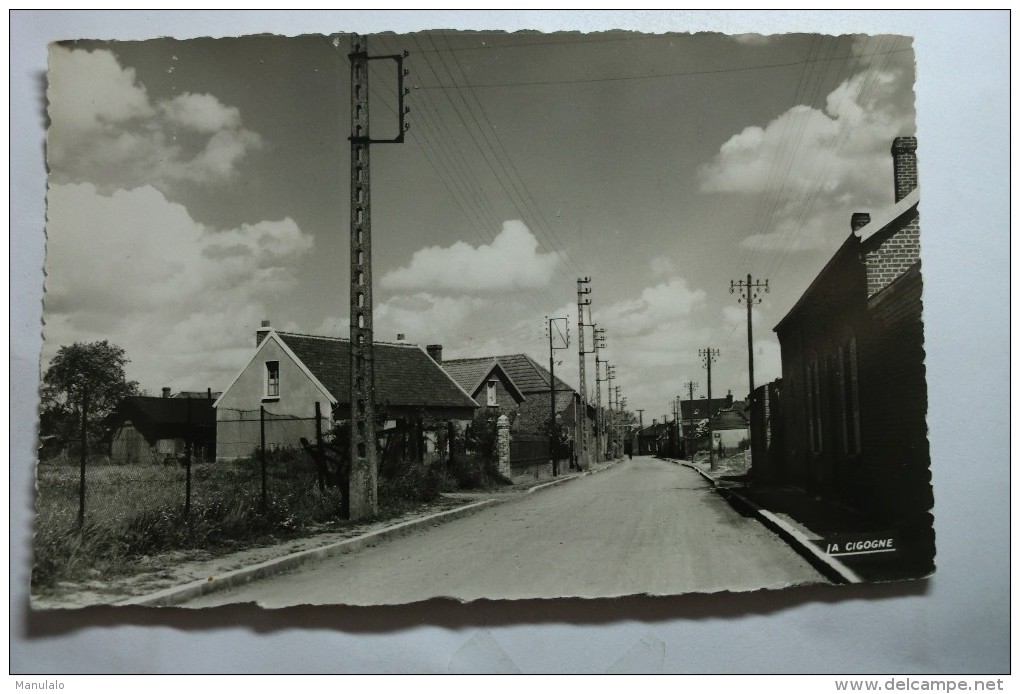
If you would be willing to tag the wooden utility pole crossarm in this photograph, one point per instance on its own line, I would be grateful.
(582, 301)
(750, 293)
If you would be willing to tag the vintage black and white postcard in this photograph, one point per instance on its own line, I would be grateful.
(374, 319)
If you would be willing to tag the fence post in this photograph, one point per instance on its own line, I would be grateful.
(262, 449)
(84, 451)
(320, 461)
(189, 446)
(503, 445)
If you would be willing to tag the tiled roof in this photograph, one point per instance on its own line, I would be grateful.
(405, 375)
(527, 374)
(701, 407)
(468, 373)
(199, 394)
(728, 419)
(656, 430)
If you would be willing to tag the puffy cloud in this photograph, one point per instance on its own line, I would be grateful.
(816, 166)
(736, 315)
(512, 261)
(662, 266)
(421, 317)
(136, 269)
(662, 304)
(107, 130)
(202, 113)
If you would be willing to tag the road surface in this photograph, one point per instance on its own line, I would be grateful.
(643, 526)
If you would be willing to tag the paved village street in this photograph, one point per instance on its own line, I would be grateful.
(642, 526)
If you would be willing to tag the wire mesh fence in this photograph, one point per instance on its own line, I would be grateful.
(178, 473)
(263, 474)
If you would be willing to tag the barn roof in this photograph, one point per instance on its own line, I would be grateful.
(164, 411)
(405, 375)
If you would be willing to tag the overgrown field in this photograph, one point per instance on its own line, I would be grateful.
(136, 510)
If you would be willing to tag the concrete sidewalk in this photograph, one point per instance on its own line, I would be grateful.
(801, 520)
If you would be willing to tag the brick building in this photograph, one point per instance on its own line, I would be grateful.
(519, 384)
(853, 391)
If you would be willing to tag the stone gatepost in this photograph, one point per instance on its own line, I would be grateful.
(503, 445)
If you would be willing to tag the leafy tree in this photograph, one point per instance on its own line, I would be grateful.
(82, 385)
(480, 434)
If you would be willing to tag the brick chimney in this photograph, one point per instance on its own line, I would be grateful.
(166, 391)
(400, 337)
(729, 398)
(261, 333)
(904, 152)
(858, 220)
(436, 352)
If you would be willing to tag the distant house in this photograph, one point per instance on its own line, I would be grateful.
(289, 374)
(695, 414)
(519, 383)
(853, 395)
(656, 438)
(697, 410)
(486, 381)
(147, 429)
(730, 428)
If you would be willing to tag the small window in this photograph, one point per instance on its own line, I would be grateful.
(491, 394)
(272, 379)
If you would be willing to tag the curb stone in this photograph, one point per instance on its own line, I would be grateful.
(829, 565)
(567, 478)
(176, 595)
(189, 591)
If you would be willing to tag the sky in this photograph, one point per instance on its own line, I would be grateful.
(198, 187)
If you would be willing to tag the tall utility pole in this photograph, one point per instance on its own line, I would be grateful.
(600, 343)
(749, 294)
(708, 355)
(691, 385)
(618, 421)
(364, 463)
(552, 388)
(624, 424)
(609, 427)
(582, 291)
(675, 435)
(640, 428)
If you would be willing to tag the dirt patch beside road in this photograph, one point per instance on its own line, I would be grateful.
(149, 574)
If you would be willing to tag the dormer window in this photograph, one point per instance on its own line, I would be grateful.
(490, 394)
(272, 379)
